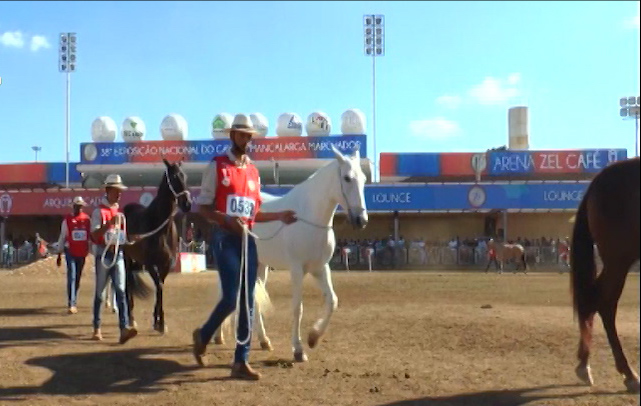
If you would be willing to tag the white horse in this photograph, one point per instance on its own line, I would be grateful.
(307, 245)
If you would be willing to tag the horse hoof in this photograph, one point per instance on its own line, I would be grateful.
(162, 329)
(312, 339)
(266, 345)
(300, 357)
(632, 384)
(585, 375)
(219, 341)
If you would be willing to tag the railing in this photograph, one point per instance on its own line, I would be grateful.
(435, 256)
(10, 257)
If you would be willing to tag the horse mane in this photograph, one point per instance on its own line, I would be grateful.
(275, 203)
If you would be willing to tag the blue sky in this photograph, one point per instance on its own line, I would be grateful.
(450, 72)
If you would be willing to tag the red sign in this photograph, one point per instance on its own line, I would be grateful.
(54, 202)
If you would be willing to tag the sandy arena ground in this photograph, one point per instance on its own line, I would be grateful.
(403, 338)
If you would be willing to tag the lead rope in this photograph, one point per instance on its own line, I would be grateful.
(244, 274)
(114, 239)
(119, 235)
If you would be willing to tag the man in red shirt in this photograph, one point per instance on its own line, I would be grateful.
(105, 237)
(230, 198)
(74, 241)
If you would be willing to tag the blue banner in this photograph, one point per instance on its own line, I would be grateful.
(280, 148)
(468, 197)
(556, 162)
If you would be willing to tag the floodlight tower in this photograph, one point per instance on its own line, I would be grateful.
(67, 65)
(630, 110)
(374, 42)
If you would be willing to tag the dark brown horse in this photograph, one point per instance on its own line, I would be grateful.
(608, 217)
(158, 249)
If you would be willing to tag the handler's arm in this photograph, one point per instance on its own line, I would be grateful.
(63, 237)
(263, 217)
(205, 200)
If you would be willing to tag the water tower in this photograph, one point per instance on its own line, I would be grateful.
(518, 128)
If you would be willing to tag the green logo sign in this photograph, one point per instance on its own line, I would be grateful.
(218, 124)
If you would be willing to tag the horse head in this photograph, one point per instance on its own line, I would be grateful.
(351, 191)
(176, 181)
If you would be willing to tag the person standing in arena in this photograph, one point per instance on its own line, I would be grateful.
(104, 236)
(491, 257)
(230, 198)
(74, 242)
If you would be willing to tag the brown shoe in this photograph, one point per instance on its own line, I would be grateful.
(97, 335)
(199, 348)
(242, 370)
(127, 334)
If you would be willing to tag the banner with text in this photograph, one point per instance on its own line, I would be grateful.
(281, 148)
(498, 163)
(378, 198)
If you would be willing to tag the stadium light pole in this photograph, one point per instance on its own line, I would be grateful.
(374, 43)
(36, 149)
(630, 110)
(67, 65)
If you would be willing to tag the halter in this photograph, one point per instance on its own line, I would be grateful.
(120, 227)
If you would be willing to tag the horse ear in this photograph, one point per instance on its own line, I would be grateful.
(339, 155)
(357, 153)
(165, 161)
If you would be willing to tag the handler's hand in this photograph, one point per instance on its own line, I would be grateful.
(234, 224)
(288, 216)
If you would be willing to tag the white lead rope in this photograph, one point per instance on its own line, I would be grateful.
(244, 274)
(118, 236)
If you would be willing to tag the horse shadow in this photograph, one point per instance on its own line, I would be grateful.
(507, 397)
(132, 371)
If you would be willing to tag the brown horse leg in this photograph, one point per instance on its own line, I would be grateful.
(159, 317)
(583, 369)
(611, 292)
(130, 300)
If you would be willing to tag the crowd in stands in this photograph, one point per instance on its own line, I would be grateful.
(387, 252)
(20, 250)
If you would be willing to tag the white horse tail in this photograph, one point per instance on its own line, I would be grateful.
(263, 302)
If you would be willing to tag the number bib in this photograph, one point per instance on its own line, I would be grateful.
(79, 235)
(111, 236)
(240, 206)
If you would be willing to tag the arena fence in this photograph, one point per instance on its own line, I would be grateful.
(436, 256)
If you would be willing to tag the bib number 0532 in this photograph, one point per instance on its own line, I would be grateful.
(239, 206)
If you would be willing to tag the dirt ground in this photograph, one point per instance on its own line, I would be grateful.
(396, 339)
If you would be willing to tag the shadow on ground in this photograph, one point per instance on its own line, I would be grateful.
(41, 311)
(508, 397)
(130, 371)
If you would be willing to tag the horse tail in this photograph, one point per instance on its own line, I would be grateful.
(583, 266)
(135, 283)
(261, 297)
